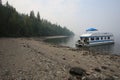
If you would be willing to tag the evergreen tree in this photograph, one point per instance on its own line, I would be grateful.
(13, 24)
(7, 4)
(38, 16)
(0, 2)
(32, 15)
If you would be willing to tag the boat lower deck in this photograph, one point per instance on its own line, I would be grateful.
(95, 43)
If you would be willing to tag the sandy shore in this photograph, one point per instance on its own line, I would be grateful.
(30, 59)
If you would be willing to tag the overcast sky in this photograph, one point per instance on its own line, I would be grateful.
(77, 15)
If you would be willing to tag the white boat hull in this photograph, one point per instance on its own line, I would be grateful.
(96, 43)
(100, 43)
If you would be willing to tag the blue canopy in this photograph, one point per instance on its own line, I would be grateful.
(91, 29)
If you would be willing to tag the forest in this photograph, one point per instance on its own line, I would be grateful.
(14, 24)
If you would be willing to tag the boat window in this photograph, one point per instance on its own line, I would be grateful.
(108, 37)
(81, 38)
(101, 38)
(97, 38)
(105, 38)
(92, 38)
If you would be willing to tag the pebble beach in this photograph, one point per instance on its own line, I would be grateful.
(33, 59)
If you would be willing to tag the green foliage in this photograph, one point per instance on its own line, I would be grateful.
(13, 24)
(38, 16)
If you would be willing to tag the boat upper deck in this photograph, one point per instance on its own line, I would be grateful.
(96, 34)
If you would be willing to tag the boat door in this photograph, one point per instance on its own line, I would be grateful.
(85, 40)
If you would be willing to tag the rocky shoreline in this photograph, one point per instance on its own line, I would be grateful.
(31, 59)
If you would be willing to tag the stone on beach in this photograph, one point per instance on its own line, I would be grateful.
(76, 71)
(97, 70)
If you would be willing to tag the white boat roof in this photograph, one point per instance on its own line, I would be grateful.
(96, 34)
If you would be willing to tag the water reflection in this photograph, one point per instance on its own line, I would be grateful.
(58, 41)
(103, 48)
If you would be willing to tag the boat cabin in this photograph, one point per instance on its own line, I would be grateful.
(95, 38)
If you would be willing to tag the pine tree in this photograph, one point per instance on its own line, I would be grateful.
(14, 24)
(0, 2)
(38, 16)
(32, 15)
(7, 4)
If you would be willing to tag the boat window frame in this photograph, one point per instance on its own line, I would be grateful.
(101, 38)
(92, 38)
(105, 38)
(108, 37)
(97, 38)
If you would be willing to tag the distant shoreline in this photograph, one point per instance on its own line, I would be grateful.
(52, 37)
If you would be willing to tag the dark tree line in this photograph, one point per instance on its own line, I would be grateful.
(14, 24)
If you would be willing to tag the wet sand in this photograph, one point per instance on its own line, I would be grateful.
(33, 59)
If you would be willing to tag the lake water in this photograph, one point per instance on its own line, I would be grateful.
(70, 41)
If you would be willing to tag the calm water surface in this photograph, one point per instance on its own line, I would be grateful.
(70, 41)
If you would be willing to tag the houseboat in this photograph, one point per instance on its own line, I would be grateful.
(92, 38)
